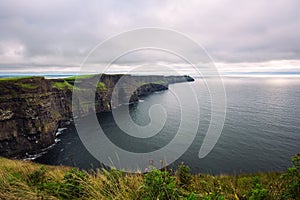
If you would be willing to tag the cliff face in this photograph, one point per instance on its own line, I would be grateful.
(30, 112)
(31, 109)
(113, 90)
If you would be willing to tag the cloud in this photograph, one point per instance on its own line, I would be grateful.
(60, 33)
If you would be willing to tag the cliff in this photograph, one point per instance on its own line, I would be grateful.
(32, 108)
(30, 112)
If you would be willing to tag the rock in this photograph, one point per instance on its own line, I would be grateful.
(29, 115)
(32, 109)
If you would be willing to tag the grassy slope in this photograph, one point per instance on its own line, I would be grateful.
(18, 82)
(15, 78)
(62, 85)
(26, 180)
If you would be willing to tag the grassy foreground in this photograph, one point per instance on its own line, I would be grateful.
(27, 180)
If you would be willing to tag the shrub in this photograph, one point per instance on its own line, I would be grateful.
(184, 176)
(257, 192)
(292, 178)
(159, 185)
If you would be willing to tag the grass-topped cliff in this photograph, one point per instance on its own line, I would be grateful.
(32, 108)
(26, 180)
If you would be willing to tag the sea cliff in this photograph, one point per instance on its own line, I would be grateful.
(33, 108)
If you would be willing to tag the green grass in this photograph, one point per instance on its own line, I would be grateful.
(62, 85)
(73, 78)
(101, 86)
(26, 180)
(27, 86)
(19, 82)
(162, 82)
(15, 78)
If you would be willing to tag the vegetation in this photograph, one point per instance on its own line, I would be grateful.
(72, 79)
(26, 180)
(62, 85)
(159, 184)
(101, 86)
(162, 82)
(27, 86)
(19, 82)
(15, 78)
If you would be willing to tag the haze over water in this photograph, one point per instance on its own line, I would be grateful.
(261, 131)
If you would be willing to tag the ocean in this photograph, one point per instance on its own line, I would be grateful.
(261, 131)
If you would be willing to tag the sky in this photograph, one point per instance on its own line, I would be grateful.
(54, 36)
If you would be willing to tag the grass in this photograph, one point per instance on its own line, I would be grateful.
(162, 82)
(62, 85)
(101, 86)
(27, 86)
(73, 78)
(15, 78)
(26, 180)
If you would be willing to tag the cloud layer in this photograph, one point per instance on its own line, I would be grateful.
(37, 35)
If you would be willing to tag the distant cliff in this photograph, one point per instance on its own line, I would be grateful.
(31, 109)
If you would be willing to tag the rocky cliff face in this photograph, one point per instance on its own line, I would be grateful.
(30, 112)
(31, 109)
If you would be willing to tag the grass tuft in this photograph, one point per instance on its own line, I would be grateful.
(62, 85)
(27, 180)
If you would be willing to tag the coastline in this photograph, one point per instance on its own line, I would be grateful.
(34, 108)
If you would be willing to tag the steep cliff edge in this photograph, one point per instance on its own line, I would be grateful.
(30, 112)
(32, 108)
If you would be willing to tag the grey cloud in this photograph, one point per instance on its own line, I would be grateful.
(63, 32)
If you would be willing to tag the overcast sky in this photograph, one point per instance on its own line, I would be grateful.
(241, 36)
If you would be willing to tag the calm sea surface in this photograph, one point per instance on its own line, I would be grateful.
(261, 131)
